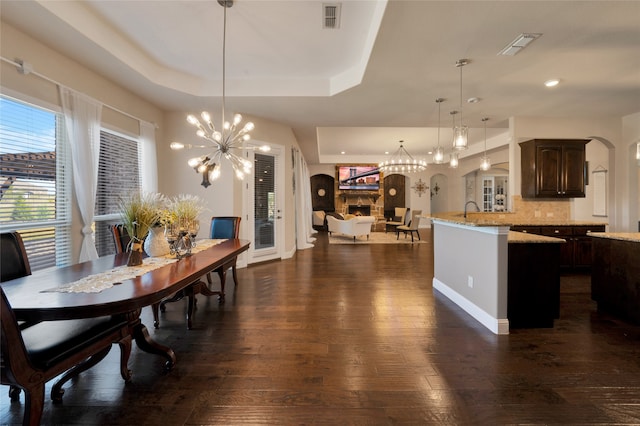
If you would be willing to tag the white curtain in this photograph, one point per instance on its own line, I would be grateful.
(82, 118)
(302, 194)
(149, 157)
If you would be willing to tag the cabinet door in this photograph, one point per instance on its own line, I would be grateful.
(573, 170)
(549, 164)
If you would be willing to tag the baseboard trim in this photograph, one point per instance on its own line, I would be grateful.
(495, 325)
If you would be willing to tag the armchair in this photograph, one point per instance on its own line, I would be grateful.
(412, 227)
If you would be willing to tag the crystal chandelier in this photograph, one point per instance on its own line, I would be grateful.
(402, 162)
(460, 132)
(485, 162)
(231, 137)
(438, 155)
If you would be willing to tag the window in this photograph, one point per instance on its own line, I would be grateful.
(119, 173)
(35, 182)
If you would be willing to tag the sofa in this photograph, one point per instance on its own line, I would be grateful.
(355, 227)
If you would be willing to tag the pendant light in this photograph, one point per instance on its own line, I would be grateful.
(453, 157)
(485, 162)
(460, 133)
(438, 155)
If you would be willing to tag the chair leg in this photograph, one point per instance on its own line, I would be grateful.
(56, 389)
(33, 405)
(234, 273)
(14, 393)
(156, 317)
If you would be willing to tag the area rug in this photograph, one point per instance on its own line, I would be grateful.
(374, 238)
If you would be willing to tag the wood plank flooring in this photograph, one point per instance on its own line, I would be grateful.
(355, 335)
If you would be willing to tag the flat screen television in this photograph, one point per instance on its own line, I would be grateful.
(361, 178)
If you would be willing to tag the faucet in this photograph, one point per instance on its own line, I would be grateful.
(470, 202)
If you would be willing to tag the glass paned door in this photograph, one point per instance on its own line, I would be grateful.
(264, 202)
(264, 205)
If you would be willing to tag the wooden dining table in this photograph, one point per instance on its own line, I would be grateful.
(34, 298)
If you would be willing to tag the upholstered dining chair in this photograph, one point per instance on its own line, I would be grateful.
(34, 353)
(225, 227)
(412, 227)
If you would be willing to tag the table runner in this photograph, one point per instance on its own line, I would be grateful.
(98, 282)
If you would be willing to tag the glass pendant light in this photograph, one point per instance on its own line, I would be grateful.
(485, 162)
(460, 133)
(453, 157)
(438, 155)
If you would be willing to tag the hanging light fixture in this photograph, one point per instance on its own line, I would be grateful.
(460, 132)
(453, 157)
(226, 140)
(453, 160)
(402, 162)
(485, 162)
(438, 154)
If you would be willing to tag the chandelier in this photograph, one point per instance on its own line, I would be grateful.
(485, 162)
(402, 162)
(460, 132)
(438, 155)
(225, 141)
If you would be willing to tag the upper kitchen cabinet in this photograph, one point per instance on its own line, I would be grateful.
(553, 168)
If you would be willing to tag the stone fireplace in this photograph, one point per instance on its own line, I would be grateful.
(362, 210)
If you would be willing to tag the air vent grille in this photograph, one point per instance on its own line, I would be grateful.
(331, 15)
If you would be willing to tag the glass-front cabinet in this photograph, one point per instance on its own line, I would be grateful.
(494, 193)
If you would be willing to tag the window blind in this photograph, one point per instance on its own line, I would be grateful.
(35, 191)
(119, 173)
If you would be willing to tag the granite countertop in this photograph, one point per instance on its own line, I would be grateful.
(522, 238)
(506, 219)
(624, 236)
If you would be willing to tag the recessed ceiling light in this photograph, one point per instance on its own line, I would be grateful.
(473, 100)
(342, 152)
(552, 83)
(386, 153)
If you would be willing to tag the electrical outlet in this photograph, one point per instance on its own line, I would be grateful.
(470, 281)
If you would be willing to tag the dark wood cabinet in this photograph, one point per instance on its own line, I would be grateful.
(553, 168)
(575, 254)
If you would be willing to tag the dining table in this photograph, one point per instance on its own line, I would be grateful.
(45, 295)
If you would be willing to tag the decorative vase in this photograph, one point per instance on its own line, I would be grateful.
(135, 255)
(156, 245)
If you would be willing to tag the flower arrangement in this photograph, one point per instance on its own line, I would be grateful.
(186, 207)
(139, 212)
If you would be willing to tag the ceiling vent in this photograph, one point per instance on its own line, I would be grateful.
(518, 44)
(331, 15)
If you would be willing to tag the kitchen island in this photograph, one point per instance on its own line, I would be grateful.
(487, 270)
(615, 276)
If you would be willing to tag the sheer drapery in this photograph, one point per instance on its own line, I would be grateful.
(82, 118)
(302, 198)
(148, 157)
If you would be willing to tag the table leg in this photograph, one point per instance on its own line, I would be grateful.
(146, 343)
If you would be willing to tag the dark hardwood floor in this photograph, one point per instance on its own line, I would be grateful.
(344, 334)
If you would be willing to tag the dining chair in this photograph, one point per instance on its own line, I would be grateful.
(33, 353)
(400, 218)
(121, 237)
(222, 227)
(412, 227)
(225, 227)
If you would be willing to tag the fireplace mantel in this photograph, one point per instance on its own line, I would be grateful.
(347, 195)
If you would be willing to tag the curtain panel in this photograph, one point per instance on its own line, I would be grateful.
(82, 118)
